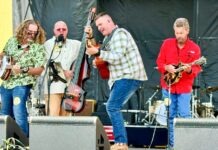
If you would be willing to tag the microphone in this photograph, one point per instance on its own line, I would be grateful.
(60, 40)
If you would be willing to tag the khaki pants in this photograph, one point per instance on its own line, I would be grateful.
(55, 108)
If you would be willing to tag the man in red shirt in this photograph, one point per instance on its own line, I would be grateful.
(174, 53)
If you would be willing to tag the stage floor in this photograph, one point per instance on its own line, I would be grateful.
(143, 136)
(132, 148)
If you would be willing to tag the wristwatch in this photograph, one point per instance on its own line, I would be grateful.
(25, 69)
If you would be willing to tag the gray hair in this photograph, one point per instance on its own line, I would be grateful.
(181, 22)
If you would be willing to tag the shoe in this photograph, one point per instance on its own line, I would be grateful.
(119, 146)
(170, 148)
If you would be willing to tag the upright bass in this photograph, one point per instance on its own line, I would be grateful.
(73, 99)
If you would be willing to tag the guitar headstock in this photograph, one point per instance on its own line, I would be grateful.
(200, 61)
(88, 28)
(92, 14)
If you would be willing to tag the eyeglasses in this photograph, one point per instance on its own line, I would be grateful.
(61, 29)
(29, 32)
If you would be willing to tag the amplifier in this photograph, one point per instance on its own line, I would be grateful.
(88, 109)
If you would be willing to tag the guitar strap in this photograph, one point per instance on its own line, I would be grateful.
(107, 39)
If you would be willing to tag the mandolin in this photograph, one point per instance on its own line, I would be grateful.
(172, 78)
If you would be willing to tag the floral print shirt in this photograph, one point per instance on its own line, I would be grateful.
(34, 57)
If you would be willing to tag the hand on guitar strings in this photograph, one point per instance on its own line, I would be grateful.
(16, 69)
(170, 68)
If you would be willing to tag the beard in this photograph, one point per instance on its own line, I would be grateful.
(181, 40)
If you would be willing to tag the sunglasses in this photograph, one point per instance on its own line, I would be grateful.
(29, 32)
(61, 29)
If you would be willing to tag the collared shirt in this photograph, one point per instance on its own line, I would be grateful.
(123, 56)
(34, 57)
(65, 56)
(171, 54)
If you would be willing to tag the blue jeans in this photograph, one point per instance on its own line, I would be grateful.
(120, 93)
(14, 105)
(179, 107)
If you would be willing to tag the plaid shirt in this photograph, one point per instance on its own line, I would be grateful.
(123, 56)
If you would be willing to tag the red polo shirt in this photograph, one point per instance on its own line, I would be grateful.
(171, 54)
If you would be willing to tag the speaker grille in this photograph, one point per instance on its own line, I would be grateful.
(199, 134)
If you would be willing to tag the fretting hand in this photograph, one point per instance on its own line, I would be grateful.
(91, 50)
(187, 68)
(90, 40)
(89, 32)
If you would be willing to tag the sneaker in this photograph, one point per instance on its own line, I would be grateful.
(170, 148)
(119, 146)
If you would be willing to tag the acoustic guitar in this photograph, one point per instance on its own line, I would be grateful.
(102, 67)
(172, 78)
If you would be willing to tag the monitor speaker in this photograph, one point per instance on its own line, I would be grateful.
(80, 133)
(9, 128)
(196, 133)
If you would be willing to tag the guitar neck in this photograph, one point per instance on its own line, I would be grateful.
(79, 60)
(200, 61)
(179, 69)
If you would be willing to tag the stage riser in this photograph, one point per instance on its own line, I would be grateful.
(142, 136)
(81, 133)
(196, 134)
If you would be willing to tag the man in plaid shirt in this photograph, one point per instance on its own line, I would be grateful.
(126, 68)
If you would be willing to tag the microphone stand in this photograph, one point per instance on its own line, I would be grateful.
(49, 78)
(168, 116)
